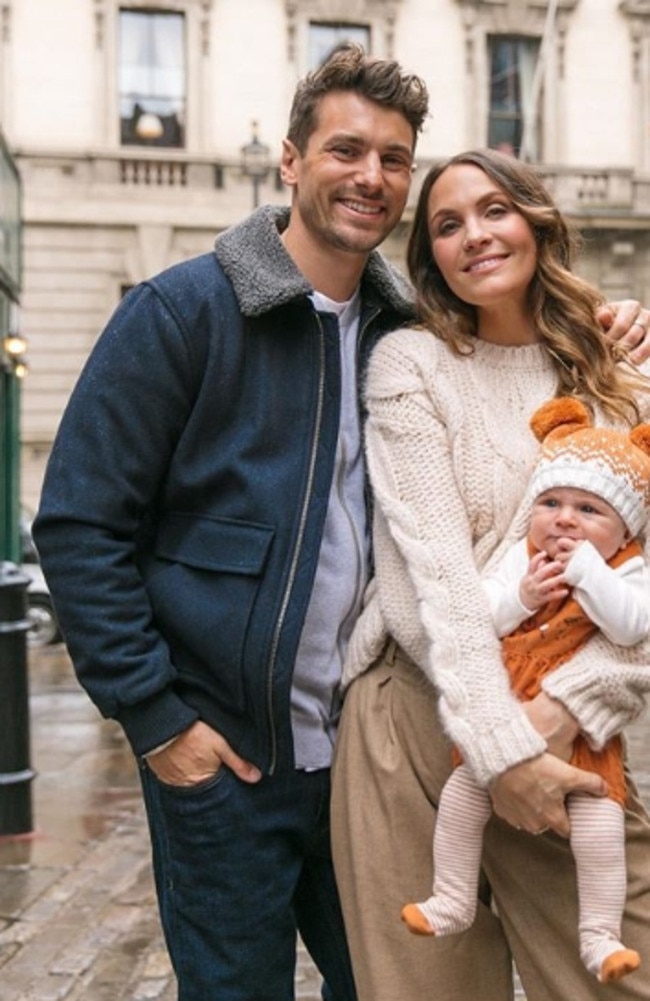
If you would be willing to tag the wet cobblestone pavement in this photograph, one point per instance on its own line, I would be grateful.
(78, 917)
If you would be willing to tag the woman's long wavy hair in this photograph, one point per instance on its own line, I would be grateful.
(563, 306)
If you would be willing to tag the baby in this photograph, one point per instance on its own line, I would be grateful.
(580, 569)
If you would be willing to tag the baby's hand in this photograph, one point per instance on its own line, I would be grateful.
(565, 550)
(542, 582)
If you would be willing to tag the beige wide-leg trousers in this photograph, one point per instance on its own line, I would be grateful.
(391, 762)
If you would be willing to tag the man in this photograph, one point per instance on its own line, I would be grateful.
(203, 530)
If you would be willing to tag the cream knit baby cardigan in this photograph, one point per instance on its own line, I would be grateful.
(449, 454)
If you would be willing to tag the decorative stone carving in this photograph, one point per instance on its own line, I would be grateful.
(203, 10)
(5, 21)
(638, 14)
(505, 17)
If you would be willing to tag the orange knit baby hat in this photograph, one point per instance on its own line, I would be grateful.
(613, 465)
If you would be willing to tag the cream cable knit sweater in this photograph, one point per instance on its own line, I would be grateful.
(450, 453)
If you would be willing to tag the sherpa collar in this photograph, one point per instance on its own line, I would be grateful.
(268, 278)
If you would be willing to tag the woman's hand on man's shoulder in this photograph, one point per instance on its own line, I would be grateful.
(627, 322)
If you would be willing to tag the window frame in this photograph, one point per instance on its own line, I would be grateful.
(526, 18)
(152, 101)
(341, 29)
(198, 29)
(378, 15)
(637, 13)
(517, 118)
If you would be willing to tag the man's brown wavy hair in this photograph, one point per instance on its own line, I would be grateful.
(348, 68)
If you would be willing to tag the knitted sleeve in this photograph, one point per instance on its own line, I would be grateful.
(428, 585)
(603, 686)
(502, 590)
(616, 599)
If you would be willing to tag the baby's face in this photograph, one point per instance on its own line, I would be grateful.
(567, 513)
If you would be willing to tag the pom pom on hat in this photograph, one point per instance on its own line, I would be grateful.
(614, 465)
(565, 414)
(640, 436)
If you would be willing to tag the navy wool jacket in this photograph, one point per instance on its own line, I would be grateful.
(185, 495)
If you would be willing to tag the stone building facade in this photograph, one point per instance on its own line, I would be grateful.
(128, 120)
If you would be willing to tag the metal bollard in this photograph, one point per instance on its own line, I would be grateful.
(16, 773)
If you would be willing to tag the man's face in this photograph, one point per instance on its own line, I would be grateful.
(351, 183)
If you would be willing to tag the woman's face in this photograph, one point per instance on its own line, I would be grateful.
(483, 246)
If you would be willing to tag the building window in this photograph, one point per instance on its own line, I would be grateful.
(514, 109)
(324, 37)
(152, 78)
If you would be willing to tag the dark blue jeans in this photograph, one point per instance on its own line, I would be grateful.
(239, 870)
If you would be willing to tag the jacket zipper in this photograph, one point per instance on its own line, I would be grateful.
(299, 542)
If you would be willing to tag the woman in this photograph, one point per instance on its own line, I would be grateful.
(506, 326)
